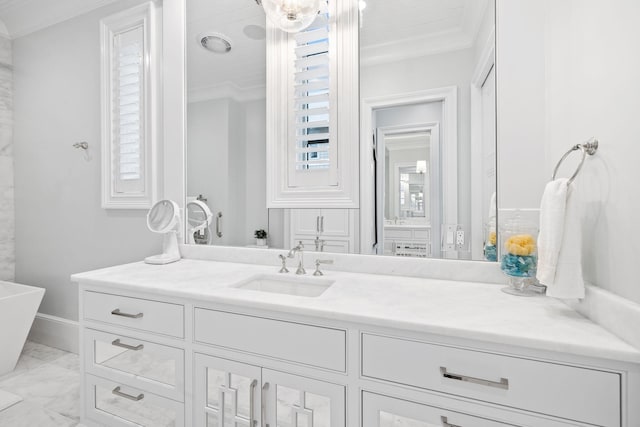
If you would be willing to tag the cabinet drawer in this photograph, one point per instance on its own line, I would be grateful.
(112, 404)
(421, 235)
(146, 315)
(323, 245)
(295, 342)
(143, 364)
(573, 393)
(398, 234)
(385, 411)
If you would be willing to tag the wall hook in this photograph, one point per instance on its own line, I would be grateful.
(84, 145)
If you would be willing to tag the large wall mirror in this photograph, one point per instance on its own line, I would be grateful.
(428, 132)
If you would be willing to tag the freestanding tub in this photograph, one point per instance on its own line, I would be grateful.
(18, 307)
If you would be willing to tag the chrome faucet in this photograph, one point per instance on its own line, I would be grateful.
(284, 268)
(321, 261)
(300, 250)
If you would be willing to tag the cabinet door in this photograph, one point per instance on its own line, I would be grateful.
(227, 393)
(294, 401)
(305, 221)
(384, 411)
(336, 222)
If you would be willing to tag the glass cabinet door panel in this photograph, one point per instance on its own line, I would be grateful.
(295, 401)
(227, 392)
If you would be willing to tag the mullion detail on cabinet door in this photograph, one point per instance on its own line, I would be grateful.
(295, 401)
(226, 392)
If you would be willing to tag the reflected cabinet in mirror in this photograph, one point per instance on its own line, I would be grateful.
(427, 148)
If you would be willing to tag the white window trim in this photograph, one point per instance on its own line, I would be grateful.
(145, 15)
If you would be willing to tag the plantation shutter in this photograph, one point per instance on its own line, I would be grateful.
(128, 136)
(312, 146)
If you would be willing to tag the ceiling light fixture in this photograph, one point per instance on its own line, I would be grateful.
(291, 16)
(215, 42)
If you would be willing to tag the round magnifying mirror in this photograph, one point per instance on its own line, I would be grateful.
(164, 218)
(198, 219)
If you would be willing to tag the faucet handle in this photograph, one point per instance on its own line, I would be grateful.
(321, 261)
(284, 264)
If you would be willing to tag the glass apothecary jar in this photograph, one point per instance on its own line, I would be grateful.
(519, 256)
(490, 249)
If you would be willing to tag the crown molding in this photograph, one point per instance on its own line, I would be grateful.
(53, 13)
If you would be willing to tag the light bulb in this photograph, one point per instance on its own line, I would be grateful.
(291, 16)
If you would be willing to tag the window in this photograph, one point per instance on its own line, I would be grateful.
(129, 119)
(312, 108)
(312, 142)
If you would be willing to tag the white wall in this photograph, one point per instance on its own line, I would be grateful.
(257, 217)
(521, 104)
(7, 215)
(226, 163)
(208, 157)
(568, 70)
(60, 227)
(593, 89)
(429, 72)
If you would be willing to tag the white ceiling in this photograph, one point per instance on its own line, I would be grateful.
(241, 73)
(21, 17)
(393, 30)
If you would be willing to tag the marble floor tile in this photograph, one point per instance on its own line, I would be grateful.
(68, 361)
(48, 381)
(49, 386)
(42, 352)
(28, 414)
(25, 363)
(8, 399)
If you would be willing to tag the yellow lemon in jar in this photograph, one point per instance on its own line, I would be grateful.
(520, 244)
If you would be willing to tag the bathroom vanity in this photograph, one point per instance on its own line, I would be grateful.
(218, 343)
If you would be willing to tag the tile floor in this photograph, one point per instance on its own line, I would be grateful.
(48, 380)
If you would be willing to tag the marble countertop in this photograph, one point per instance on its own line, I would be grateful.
(459, 309)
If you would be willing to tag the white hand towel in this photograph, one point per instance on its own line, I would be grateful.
(560, 242)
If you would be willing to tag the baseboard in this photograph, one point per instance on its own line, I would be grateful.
(55, 332)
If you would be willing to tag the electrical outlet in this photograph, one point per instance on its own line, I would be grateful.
(459, 239)
(449, 237)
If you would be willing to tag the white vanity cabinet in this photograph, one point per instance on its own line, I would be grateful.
(206, 362)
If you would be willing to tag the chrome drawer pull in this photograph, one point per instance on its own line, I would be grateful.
(117, 392)
(117, 343)
(503, 384)
(445, 422)
(252, 392)
(117, 312)
(265, 387)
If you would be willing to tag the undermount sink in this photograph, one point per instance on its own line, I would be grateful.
(288, 285)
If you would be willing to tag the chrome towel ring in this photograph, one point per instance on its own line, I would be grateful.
(590, 147)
